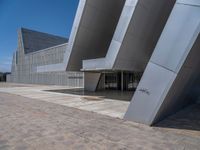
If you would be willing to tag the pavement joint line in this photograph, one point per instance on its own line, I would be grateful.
(77, 101)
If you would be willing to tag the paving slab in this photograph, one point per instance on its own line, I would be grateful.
(32, 124)
(98, 104)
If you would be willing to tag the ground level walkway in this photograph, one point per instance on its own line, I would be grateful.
(33, 124)
(114, 103)
(30, 124)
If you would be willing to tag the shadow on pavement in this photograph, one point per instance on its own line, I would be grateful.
(116, 95)
(188, 119)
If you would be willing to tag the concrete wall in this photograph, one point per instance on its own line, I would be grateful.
(24, 66)
(138, 30)
(171, 74)
(92, 32)
(95, 25)
(91, 81)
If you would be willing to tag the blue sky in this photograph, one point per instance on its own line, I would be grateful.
(51, 16)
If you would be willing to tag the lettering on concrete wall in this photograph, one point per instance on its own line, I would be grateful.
(144, 90)
(72, 77)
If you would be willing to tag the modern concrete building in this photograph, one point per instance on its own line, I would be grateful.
(118, 44)
(35, 49)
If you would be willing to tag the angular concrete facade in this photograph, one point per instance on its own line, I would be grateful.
(174, 67)
(36, 49)
(91, 34)
(124, 40)
(133, 42)
(136, 35)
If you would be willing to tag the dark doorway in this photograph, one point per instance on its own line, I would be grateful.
(112, 81)
(124, 81)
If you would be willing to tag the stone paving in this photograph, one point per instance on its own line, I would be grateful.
(31, 124)
(99, 104)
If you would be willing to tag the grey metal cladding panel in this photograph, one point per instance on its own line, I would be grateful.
(148, 96)
(95, 31)
(134, 42)
(176, 85)
(123, 22)
(145, 28)
(34, 40)
(183, 89)
(120, 31)
(74, 30)
(117, 39)
(172, 49)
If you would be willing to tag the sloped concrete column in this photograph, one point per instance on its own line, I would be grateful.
(91, 81)
(173, 67)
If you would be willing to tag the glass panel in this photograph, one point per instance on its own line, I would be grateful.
(112, 81)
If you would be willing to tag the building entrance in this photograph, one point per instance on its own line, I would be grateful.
(124, 81)
(112, 81)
